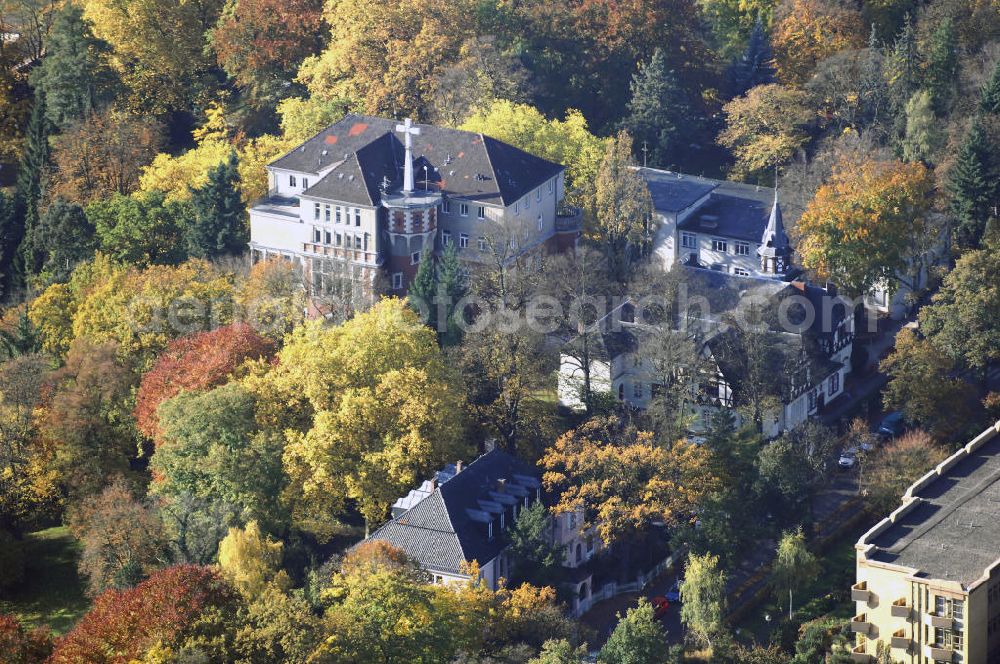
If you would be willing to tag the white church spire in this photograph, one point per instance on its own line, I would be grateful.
(775, 251)
(409, 131)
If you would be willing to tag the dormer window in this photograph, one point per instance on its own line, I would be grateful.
(489, 531)
(291, 181)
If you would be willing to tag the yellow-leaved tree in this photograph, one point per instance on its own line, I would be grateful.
(251, 561)
(368, 406)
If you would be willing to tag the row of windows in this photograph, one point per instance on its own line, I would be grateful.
(527, 199)
(323, 236)
(293, 182)
(737, 270)
(325, 211)
(463, 210)
(463, 240)
(690, 241)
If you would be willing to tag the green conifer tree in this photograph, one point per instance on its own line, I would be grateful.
(74, 75)
(30, 183)
(453, 285)
(218, 226)
(990, 100)
(972, 188)
(64, 237)
(8, 236)
(755, 66)
(423, 288)
(942, 65)
(658, 112)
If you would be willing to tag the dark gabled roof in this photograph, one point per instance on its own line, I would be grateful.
(673, 192)
(460, 163)
(447, 527)
(730, 217)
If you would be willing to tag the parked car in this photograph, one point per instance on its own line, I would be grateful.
(848, 458)
(892, 425)
(674, 594)
(660, 606)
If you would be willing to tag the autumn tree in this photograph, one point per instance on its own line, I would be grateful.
(560, 651)
(272, 299)
(964, 317)
(177, 176)
(484, 74)
(195, 363)
(143, 310)
(251, 561)
(922, 384)
(372, 407)
(794, 467)
(260, 44)
(211, 449)
(29, 486)
(623, 480)
(638, 638)
(386, 56)
(74, 76)
(158, 49)
(864, 223)
(794, 565)
(568, 141)
(703, 597)
(765, 128)
(19, 645)
(623, 209)
(807, 31)
(101, 155)
(87, 420)
(174, 607)
(121, 537)
(890, 470)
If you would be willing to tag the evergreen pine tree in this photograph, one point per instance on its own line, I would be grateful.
(755, 66)
(874, 91)
(218, 226)
(64, 237)
(424, 287)
(658, 111)
(22, 340)
(902, 67)
(74, 76)
(453, 284)
(990, 100)
(8, 236)
(971, 186)
(30, 182)
(942, 65)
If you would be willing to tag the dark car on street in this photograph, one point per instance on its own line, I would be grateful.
(892, 425)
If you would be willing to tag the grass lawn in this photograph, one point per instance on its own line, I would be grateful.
(827, 599)
(52, 592)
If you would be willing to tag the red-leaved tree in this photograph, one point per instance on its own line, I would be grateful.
(22, 646)
(194, 363)
(170, 608)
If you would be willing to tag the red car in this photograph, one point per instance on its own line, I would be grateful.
(660, 606)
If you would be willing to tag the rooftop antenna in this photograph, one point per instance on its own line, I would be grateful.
(645, 152)
(426, 180)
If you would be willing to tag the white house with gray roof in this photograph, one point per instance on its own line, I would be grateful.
(369, 197)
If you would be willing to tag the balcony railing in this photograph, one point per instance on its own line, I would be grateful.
(569, 219)
(939, 653)
(859, 655)
(900, 640)
(940, 622)
(860, 592)
(900, 609)
(342, 253)
(860, 624)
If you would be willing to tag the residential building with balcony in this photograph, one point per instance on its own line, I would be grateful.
(928, 575)
(366, 200)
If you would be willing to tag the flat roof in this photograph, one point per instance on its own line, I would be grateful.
(950, 531)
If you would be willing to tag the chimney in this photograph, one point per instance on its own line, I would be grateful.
(458, 466)
(434, 483)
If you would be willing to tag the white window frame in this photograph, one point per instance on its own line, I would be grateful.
(305, 183)
(541, 223)
(741, 248)
(397, 280)
(463, 209)
(292, 182)
(538, 194)
(720, 245)
(357, 216)
(481, 212)
(741, 271)
(446, 238)
(316, 209)
(689, 241)
(446, 206)
(482, 243)
(463, 241)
